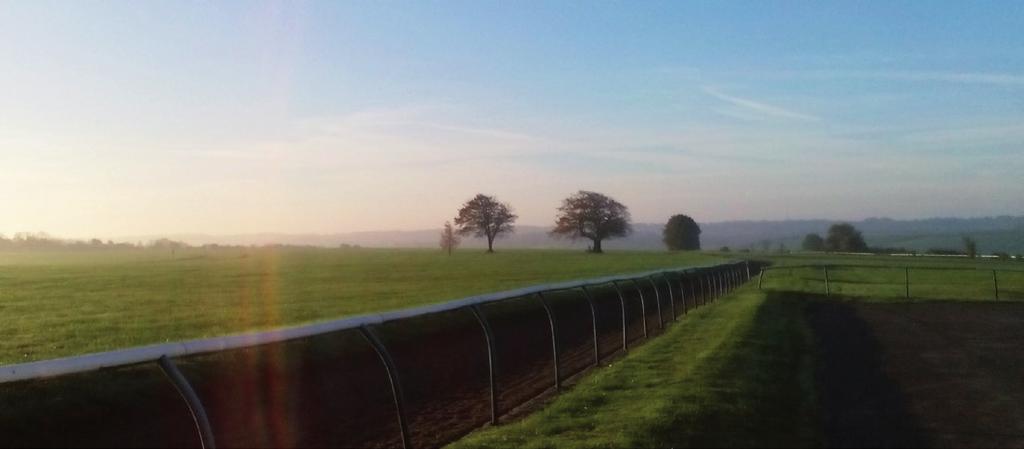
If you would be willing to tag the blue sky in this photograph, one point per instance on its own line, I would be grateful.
(232, 117)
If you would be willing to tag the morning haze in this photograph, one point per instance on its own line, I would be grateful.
(341, 117)
(511, 224)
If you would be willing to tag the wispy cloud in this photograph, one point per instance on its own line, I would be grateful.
(982, 78)
(759, 107)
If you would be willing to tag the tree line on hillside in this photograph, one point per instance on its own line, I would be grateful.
(841, 237)
(844, 237)
(583, 215)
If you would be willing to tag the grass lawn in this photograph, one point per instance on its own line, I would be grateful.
(736, 373)
(57, 304)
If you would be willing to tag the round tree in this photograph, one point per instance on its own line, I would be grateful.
(484, 216)
(813, 242)
(681, 233)
(593, 216)
(843, 237)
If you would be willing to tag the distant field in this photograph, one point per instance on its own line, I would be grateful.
(57, 304)
(884, 278)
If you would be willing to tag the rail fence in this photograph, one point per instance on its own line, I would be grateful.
(896, 281)
(417, 377)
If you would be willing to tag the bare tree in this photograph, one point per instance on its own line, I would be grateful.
(970, 247)
(593, 216)
(484, 216)
(449, 240)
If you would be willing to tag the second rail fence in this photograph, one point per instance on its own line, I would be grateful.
(903, 281)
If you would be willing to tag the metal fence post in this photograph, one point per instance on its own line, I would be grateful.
(396, 384)
(693, 291)
(682, 290)
(593, 324)
(995, 281)
(671, 296)
(657, 299)
(711, 285)
(709, 296)
(643, 305)
(554, 338)
(719, 285)
(827, 289)
(195, 406)
(906, 280)
(622, 302)
(491, 359)
(702, 281)
(746, 264)
(760, 279)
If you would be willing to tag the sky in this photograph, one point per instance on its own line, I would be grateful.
(142, 118)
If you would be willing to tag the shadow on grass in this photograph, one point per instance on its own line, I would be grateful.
(760, 394)
(806, 372)
(860, 405)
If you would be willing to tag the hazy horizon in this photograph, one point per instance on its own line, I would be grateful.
(217, 237)
(159, 118)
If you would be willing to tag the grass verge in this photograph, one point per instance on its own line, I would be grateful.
(737, 373)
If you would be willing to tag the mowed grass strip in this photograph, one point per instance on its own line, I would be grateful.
(736, 373)
(55, 303)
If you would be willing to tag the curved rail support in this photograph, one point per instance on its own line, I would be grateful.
(671, 296)
(491, 359)
(554, 338)
(195, 406)
(396, 384)
(625, 328)
(643, 305)
(657, 299)
(593, 324)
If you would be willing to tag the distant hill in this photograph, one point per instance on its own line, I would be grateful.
(1004, 233)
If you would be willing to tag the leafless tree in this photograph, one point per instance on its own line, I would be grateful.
(593, 216)
(449, 240)
(485, 216)
(970, 246)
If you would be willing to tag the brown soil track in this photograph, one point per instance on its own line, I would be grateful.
(936, 374)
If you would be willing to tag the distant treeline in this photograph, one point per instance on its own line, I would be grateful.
(42, 240)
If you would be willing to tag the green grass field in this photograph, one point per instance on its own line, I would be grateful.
(65, 303)
(739, 372)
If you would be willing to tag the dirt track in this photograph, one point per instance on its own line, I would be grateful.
(935, 374)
